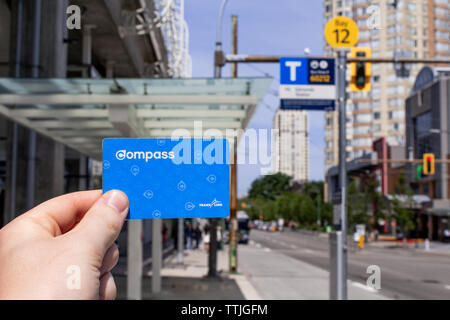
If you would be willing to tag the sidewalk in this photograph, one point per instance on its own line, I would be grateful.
(435, 247)
(275, 275)
(188, 281)
(264, 274)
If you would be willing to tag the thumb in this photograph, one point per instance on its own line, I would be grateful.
(101, 225)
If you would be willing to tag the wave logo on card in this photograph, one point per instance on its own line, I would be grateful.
(144, 155)
(214, 203)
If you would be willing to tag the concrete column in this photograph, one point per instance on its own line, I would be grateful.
(49, 180)
(134, 260)
(48, 161)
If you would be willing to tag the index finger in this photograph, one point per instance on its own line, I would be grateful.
(62, 213)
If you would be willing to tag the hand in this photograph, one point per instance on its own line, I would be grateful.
(63, 248)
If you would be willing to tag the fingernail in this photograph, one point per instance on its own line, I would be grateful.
(117, 200)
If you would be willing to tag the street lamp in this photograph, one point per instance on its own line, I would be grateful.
(219, 57)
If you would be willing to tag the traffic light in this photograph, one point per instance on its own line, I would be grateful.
(419, 171)
(360, 71)
(428, 163)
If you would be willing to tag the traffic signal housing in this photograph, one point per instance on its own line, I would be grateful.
(428, 163)
(360, 72)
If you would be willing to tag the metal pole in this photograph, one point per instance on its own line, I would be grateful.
(342, 250)
(156, 255)
(180, 241)
(219, 61)
(234, 43)
(233, 225)
(244, 58)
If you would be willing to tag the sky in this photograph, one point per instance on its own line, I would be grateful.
(265, 27)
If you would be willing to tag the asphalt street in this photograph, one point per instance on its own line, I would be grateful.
(406, 273)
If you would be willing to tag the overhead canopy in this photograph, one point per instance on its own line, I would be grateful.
(80, 113)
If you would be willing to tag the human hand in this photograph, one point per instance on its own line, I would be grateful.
(42, 251)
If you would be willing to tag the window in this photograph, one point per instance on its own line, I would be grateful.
(376, 115)
(329, 156)
(422, 125)
(376, 128)
(367, 117)
(440, 35)
(444, 47)
(375, 104)
(396, 114)
(411, 6)
(392, 102)
(440, 12)
(441, 23)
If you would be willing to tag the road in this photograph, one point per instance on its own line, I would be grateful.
(405, 273)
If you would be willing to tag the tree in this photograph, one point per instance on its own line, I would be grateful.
(308, 212)
(357, 206)
(270, 186)
(402, 206)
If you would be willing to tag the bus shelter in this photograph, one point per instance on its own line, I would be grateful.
(80, 113)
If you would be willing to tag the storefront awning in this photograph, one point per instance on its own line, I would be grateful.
(80, 113)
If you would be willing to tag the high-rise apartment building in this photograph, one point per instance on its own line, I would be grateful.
(409, 28)
(290, 144)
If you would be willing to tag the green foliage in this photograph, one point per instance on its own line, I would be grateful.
(270, 186)
(274, 196)
(402, 205)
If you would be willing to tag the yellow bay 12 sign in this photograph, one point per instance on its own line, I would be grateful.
(341, 32)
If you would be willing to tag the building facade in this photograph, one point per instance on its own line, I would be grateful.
(427, 131)
(290, 144)
(413, 28)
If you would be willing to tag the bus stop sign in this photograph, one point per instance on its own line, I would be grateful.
(307, 84)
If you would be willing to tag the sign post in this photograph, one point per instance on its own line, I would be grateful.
(341, 33)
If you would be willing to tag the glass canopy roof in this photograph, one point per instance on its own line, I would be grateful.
(82, 112)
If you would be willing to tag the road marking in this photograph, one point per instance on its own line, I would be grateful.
(252, 242)
(258, 245)
(282, 243)
(363, 286)
(447, 286)
(267, 250)
(308, 251)
(293, 247)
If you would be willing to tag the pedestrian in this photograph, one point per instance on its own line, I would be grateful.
(198, 236)
(206, 237)
(446, 234)
(188, 236)
(164, 233)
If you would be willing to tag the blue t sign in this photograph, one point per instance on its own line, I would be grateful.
(307, 84)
